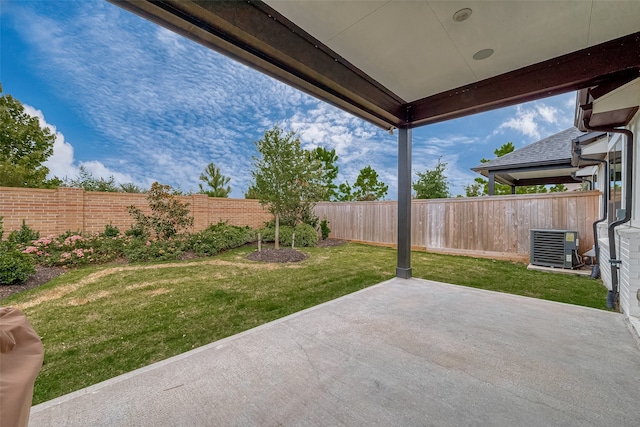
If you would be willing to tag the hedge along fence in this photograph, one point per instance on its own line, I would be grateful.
(492, 227)
(53, 212)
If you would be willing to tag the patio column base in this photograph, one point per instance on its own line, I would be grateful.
(403, 273)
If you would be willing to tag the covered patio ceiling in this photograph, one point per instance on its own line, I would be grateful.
(404, 64)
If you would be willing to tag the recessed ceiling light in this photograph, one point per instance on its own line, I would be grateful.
(483, 54)
(462, 14)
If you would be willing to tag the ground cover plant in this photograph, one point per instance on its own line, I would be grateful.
(99, 322)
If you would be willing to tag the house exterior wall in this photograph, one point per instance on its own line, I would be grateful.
(627, 241)
(629, 238)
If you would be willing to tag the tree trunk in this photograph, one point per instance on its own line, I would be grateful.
(277, 231)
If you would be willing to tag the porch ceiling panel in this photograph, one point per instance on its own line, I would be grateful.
(537, 176)
(407, 63)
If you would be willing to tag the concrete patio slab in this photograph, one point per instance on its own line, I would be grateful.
(401, 353)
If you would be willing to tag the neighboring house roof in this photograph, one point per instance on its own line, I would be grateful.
(550, 150)
(547, 161)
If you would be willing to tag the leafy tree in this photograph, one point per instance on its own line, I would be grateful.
(24, 147)
(502, 150)
(88, 182)
(557, 188)
(215, 181)
(328, 159)
(345, 192)
(286, 179)
(481, 183)
(169, 216)
(251, 193)
(432, 184)
(367, 187)
(130, 187)
(473, 190)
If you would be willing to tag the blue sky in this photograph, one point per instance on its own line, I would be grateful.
(129, 99)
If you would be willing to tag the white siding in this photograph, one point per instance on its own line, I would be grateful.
(629, 238)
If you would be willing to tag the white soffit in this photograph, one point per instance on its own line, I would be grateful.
(626, 96)
(601, 146)
(565, 171)
(416, 49)
(587, 171)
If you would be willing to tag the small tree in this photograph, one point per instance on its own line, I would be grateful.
(557, 188)
(367, 187)
(473, 190)
(88, 182)
(251, 193)
(432, 184)
(345, 192)
(215, 182)
(169, 216)
(286, 179)
(130, 187)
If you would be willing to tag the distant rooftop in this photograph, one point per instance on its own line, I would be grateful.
(553, 149)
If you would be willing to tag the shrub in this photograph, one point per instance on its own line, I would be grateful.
(220, 237)
(140, 250)
(23, 236)
(110, 231)
(306, 235)
(1, 228)
(168, 216)
(68, 249)
(74, 249)
(15, 266)
(137, 230)
(268, 233)
(324, 229)
(106, 249)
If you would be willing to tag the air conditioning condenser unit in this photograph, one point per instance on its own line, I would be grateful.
(554, 248)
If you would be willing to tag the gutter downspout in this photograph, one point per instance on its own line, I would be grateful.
(595, 272)
(612, 296)
(581, 180)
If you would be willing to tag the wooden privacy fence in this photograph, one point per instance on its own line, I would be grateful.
(493, 227)
(53, 212)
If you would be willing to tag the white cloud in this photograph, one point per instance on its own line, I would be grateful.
(524, 122)
(540, 119)
(62, 164)
(98, 170)
(548, 113)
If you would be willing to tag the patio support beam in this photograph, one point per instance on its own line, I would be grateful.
(492, 183)
(513, 189)
(403, 270)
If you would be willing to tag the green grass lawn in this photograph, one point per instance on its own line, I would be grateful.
(99, 322)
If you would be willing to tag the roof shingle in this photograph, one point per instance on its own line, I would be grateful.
(552, 149)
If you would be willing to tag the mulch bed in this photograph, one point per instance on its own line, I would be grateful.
(289, 255)
(40, 277)
(277, 255)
